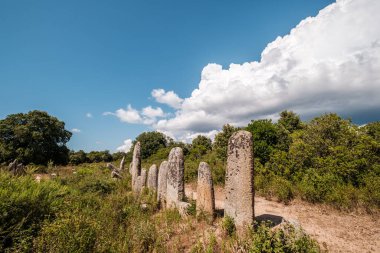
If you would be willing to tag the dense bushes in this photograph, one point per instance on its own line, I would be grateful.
(24, 206)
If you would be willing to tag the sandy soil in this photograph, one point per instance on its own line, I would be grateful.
(333, 230)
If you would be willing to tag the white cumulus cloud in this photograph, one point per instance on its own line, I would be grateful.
(327, 63)
(127, 144)
(75, 130)
(148, 115)
(129, 115)
(170, 98)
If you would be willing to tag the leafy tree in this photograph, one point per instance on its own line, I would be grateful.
(99, 156)
(118, 156)
(290, 121)
(373, 130)
(265, 138)
(201, 140)
(200, 146)
(221, 141)
(78, 157)
(34, 137)
(150, 143)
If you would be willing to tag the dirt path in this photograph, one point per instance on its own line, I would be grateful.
(334, 230)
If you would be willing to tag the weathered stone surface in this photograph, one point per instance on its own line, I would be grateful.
(161, 184)
(183, 208)
(205, 190)
(16, 168)
(122, 164)
(239, 188)
(136, 167)
(152, 178)
(116, 174)
(130, 168)
(111, 166)
(144, 175)
(140, 183)
(175, 190)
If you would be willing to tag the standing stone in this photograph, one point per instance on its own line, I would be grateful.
(115, 172)
(239, 188)
(161, 184)
(144, 175)
(16, 168)
(122, 164)
(152, 178)
(175, 190)
(140, 183)
(205, 190)
(136, 167)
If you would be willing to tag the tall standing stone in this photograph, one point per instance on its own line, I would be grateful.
(152, 178)
(144, 175)
(175, 189)
(161, 184)
(140, 183)
(136, 166)
(239, 188)
(205, 190)
(122, 164)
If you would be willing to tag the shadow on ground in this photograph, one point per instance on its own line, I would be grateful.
(274, 219)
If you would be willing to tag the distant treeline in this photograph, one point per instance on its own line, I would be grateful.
(79, 157)
(327, 159)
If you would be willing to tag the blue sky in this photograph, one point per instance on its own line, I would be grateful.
(71, 58)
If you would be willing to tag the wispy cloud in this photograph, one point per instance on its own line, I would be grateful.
(89, 115)
(76, 130)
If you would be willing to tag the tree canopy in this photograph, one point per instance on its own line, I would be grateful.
(150, 143)
(34, 137)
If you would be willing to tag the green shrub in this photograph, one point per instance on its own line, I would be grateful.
(282, 189)
(228, 225)
(344, 197)
(24, 206)
(72, 232)
(371, 191)
(263, 239)
(98, 186)
(271, 186)
(315, 187)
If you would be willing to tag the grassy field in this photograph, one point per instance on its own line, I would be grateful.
(83, 210)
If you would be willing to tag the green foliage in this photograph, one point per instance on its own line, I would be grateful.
(290, 121)
(71, 232)
(200, 146)
(288, 240)
(221, 141)
(99, 156)
(202, 141)
(24, 206)
(228, 225)
(76, 158)
(373, 130)
(150, 143)
(265, 138)
(34, 137)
